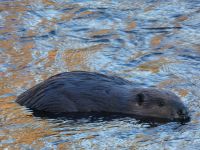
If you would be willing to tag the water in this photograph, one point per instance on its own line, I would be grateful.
(153, 43)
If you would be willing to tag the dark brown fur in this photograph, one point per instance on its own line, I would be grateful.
(79, 91)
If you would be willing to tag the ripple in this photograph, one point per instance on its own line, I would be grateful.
(153, 43)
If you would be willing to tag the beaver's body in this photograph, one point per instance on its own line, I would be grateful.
(92, 92)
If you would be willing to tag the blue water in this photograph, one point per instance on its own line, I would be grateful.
(153, 43)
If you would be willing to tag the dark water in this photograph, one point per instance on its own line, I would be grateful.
(154, 43)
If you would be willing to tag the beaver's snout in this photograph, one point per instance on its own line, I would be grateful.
(183, 115)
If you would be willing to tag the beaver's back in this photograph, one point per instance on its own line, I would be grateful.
(76, 92)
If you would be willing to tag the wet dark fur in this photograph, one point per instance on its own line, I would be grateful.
(88, 92)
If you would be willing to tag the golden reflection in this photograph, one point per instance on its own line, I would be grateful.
(7, 44)
(166, 46)
(31, 33)
(67, 145)
(22, 81)
(100, 32)
(11, 17)
(48, 25)
(154, 66)
(48, 2)
(4, 106)
(182, 92)
(177, 22)
(198, 114)
(6, 30)
(134, 146)
(176, 25)
(88, 137)
(131, 25)
(37, 62)
(52, 54)
(195, 121)
(85, 13)
(18, 54)
(149, 8)
(4, 86)
(51, 58)
(170, 81)
(196, 47)
(14, 6)
(156, 40)
(18, 80)
(76, 59)
(181, 18)
(28, 135)
(69, 15)
(2, 73)
(136, 55)
(22, 58)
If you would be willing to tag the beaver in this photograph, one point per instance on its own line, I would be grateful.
(87, 92)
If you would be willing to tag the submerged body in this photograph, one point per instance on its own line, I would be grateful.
(86, 92)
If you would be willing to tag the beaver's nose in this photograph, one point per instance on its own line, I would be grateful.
(182, 112)
(184, 115)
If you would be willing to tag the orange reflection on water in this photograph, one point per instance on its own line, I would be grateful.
(154, 66)
(170, 81)
(24, 57)
(48, 2)
(100, 32)
(4, 82)
(78, 58)
(30, 134)
(14, 6)
(85, 13)
(182, 18)
(149, 8)
(182, 92)
(26, 134)
(131, 25)
(7, 44)
(70, 15)
(156, 40)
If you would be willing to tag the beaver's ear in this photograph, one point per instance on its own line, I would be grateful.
(140, 98)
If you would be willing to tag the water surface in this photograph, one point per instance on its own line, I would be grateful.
(153, 43)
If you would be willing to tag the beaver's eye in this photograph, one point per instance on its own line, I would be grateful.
(140, 99)
(161, 104)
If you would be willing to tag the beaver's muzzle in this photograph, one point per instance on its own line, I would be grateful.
(183, 115)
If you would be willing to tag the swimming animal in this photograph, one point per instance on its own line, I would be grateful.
(87, 92)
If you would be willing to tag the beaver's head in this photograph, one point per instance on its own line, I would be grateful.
(158, 104)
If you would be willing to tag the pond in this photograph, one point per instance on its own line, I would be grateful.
(152, 43)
